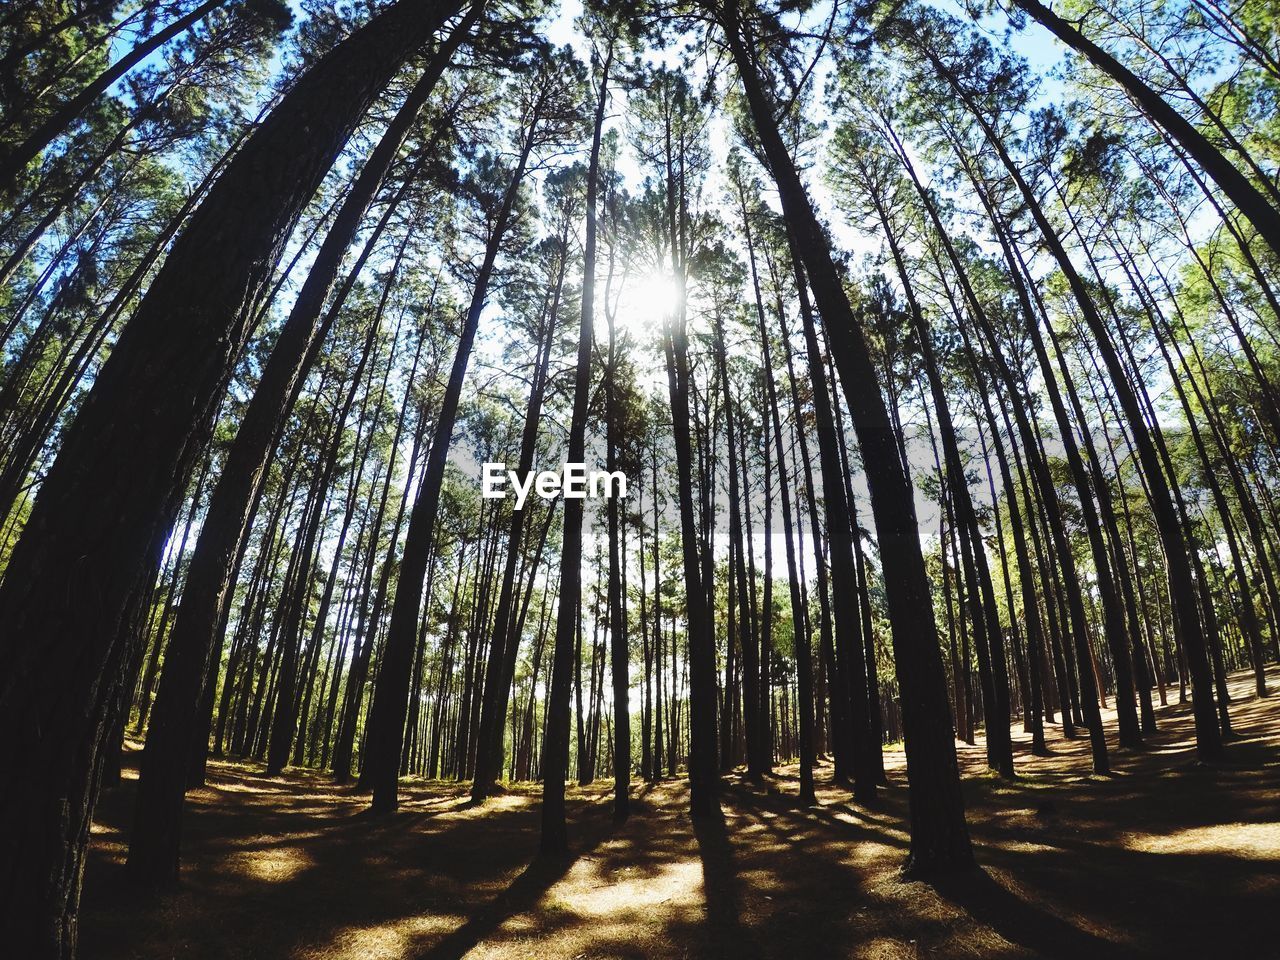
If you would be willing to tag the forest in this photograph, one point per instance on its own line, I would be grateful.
(935, 346)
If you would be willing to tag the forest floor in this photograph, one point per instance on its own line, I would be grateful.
(1164, 858)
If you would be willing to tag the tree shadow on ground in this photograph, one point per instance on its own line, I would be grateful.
(720, 887)
(1021, 923)
(523, 894)
(1074, 866)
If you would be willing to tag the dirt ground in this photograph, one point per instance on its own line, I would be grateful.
(1164, 858)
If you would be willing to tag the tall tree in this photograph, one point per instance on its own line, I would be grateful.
(154, 846)
(546, 114)
(107, 503)
(939, 835)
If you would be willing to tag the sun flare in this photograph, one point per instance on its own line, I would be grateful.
(645, 301)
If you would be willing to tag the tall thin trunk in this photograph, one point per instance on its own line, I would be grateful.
(939, 835)
(1181, 580)
(391, 692)
(505, 639)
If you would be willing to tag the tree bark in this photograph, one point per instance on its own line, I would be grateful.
(105, 507)
(939, 835)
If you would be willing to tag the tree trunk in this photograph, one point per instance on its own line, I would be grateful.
(939, 835)
(391, 692)
(130, 449)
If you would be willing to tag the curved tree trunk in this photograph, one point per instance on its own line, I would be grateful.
(153, 854)
(106, 506)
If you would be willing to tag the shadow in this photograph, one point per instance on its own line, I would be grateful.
(523, 894)
(785, 805)
(1077, 866)
(1020, 923)
(720, 888)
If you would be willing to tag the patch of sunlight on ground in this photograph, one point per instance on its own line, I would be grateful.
(886, 948)
(275, 865)
(384, 941)
(676, 884)
(261, 785)
(1022, 846)
(505, 801)
(593, 906)
(852, 817)
(258, 841)
(1248, 841)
